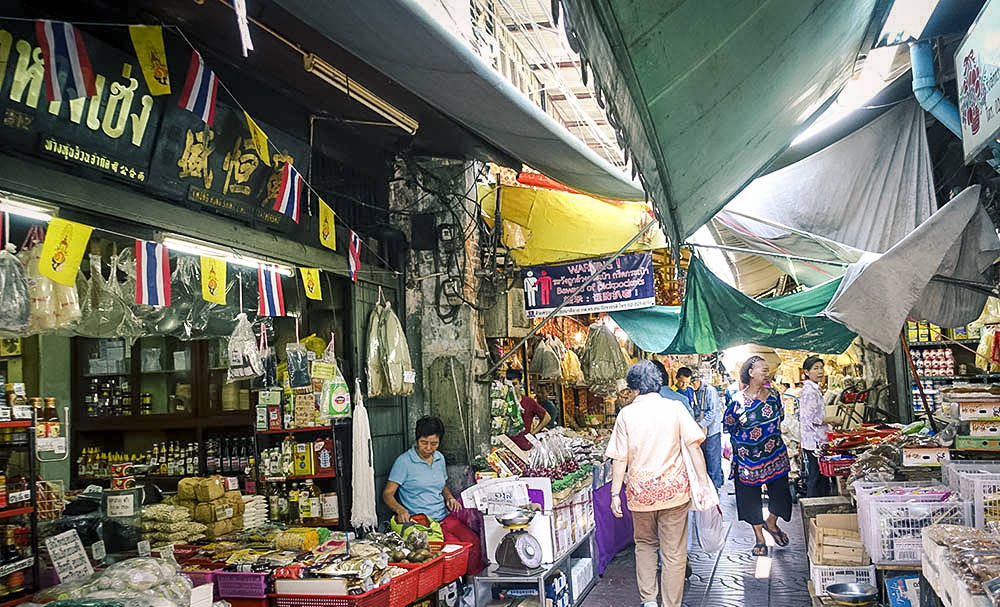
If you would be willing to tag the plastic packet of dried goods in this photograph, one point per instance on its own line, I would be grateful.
(41, 293)
(335, 397)
(297, 358)
(15, 307)
(244, 357)
(269, 360)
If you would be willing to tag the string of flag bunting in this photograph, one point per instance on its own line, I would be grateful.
(65, 241)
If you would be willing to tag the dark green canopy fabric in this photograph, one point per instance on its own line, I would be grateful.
(715, 316)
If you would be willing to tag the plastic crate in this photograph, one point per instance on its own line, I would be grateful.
(866, 491)
(898, 527)
(374, 598)
(456, 561)
(977, 442)
(824, 575)
(840, 466)
(430, 575)
(232, 584)
(403, 588)
(199, 577)
(951, 469)
(248, 602)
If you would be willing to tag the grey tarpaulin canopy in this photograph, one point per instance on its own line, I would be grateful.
(959, 241)
(872, 300)
(863, 193)
(400, 39)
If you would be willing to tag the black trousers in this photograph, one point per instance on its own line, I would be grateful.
(817, 485)
(749, 502)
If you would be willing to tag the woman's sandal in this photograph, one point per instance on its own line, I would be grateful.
(759, 550)
(780, 538)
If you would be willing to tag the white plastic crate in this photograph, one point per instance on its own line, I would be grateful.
(984, 491)
(825, 575)
(867, 491)
(899, 525)
(951, 471)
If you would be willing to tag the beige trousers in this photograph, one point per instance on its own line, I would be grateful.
(665, 530)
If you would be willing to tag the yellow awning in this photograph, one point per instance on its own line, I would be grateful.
(546, 226)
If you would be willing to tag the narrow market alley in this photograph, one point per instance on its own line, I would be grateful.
(730, 578)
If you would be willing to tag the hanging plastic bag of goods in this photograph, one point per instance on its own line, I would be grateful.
(604, 365)
(14, 303)
(390, 371)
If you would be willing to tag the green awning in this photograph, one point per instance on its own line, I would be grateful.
(705, 93)
(715, 316)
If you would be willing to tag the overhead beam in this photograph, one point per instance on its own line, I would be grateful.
(513, 27)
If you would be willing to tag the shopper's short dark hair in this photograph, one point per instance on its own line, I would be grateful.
(810, 362)
(745, 369)
(428, 426)
(684, 372)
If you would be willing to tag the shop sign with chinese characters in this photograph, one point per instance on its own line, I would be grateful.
(148, 141)
(626, 284)
(977, 67)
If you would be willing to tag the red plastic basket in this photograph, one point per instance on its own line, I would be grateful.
(456, 562)
(232, 584)
(248, 602)
(375, 598)
(403, 588)
(835, 467)
(430, 574)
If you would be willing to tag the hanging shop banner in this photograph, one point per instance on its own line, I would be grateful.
(310, 282)
(213, 280)
(977, 65)
(62, 251)
(327, 226)
(142, 137)
(624, 285)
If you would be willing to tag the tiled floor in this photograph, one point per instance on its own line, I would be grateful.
(729, 578)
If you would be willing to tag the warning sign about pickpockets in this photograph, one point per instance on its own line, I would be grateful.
(626, 284)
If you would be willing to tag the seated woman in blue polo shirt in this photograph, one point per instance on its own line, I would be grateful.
(417, 485)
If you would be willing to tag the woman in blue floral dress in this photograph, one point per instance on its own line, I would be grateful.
(760, 459)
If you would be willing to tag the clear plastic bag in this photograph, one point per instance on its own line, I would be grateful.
(41, 291)
(15, 307)
(244, 357)
(297, 358)
(335, 397)
(269, 360)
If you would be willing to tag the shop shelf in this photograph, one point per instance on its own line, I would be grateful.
(378, 597)
(16, 511)
(24, 423)
(294, 430)
(946, 342)
(281, 479)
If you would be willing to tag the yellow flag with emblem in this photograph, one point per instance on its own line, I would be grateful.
(259, 139)
(327, 226)
(149, 50)
(310, 282)
(63, 249)
(213, 280)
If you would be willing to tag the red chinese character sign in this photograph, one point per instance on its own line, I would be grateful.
(624, 285)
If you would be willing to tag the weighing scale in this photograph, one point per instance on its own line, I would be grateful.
(518, 553)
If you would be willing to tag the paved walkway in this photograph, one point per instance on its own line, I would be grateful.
(731, 578)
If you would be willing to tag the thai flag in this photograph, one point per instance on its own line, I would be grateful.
(270, 298)
(62, 46)
(354, 258)
(287, 201)
(200, 89)
(152, 274)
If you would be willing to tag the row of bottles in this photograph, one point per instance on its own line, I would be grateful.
(229, 455)
(16, 545)
(303, 503)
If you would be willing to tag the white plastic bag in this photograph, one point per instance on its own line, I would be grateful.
(244, 356)
(708, 529)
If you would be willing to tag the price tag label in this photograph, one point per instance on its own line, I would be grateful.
(322, 370)
(68, 556)
(98, 550)
(143, 548)
(121, 506)
(167, 551)
(18, 496)
(59, 445)
(409, 377)
(201, 596)
(232, 483)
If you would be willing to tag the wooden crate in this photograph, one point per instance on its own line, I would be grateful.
(813, 506)
(834, 540)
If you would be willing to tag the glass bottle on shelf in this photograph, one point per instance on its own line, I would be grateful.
(51, 415)
(305, 504)
(293, 504)
(244, 456)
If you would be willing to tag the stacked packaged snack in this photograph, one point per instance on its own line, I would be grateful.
(209, 503)
(164, 524)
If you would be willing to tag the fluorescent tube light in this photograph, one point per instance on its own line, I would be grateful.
(184, 245)
(23, 209)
